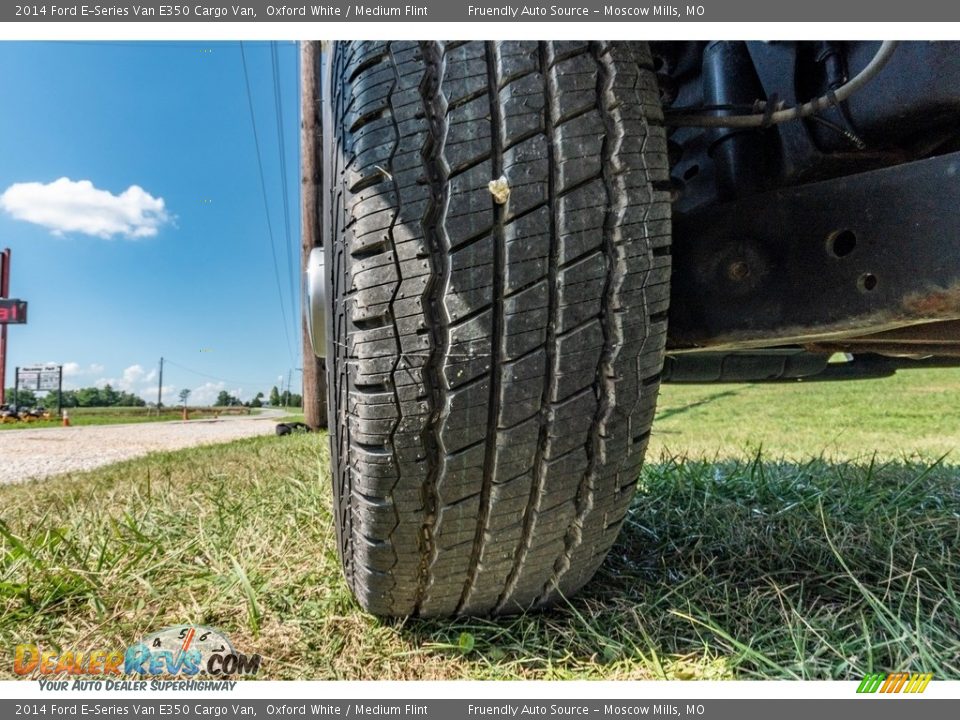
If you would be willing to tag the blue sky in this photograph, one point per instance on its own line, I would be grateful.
(114, 277)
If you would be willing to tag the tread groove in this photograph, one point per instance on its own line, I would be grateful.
(604, 385)
(391, 439)
(580, 184)
(473, 314)
(372, 323)
(372, 250)
(433, 102)
(496, 333)
(341, 436)
(467, 165)
(372, 179)
(367, 118)
(549, 383)
(370, 62)
(470, 240)
(466, 99)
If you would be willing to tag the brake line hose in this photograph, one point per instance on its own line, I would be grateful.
(763, 117)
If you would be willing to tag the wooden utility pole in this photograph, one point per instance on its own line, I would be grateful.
(311, 148)
(160, 389)
(4, 292)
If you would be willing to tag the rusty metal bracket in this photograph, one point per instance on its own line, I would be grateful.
(844, 257)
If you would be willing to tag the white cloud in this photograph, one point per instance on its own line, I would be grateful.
(138, 380)
(133, 375)
(133, 379)
(75, 369)
(206, 394)
(65, 206)
(74, 372)
(169, 394)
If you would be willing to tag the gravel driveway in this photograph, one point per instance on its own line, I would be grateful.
(26, 454)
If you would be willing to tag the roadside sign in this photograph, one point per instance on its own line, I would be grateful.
(13, 312)
(39, 377)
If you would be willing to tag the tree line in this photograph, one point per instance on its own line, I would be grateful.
(108, 397)
(276, 399)
(81, 397)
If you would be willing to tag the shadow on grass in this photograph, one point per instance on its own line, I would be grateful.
(670, 412)
(762, 569)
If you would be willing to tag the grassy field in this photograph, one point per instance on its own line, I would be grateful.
(119, 415)
(915, 414)
(829, 553)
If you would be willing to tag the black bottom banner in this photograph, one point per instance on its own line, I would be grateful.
(876, 708)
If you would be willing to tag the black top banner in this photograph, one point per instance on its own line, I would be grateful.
(480, 11)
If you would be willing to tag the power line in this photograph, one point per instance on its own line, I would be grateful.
(211, 377)
(266, 206)
(278, 103)
(142, 44)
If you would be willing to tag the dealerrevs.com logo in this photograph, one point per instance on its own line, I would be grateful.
(182, 651)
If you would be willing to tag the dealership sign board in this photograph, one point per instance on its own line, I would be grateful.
(13, 312)
(39, 377)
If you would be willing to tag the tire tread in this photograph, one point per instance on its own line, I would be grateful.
(495, 366)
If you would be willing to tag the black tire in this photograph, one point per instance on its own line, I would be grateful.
(494, 366)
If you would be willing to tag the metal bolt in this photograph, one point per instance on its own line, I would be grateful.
(738, 271)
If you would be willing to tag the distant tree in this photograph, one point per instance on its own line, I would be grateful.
(184, 394)
(296, 400)
(24, 397)
(225, 399)
(96, 397)
(67, 400)
(88, 397)
(257, 400)
(108, 396)
(127, 399)
(274, 396)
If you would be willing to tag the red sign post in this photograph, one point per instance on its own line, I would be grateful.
(13, 312)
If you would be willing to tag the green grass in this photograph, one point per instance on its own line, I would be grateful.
(819, 558)
(914, 413)
(119, 415)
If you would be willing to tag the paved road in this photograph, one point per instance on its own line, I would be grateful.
(42, 452)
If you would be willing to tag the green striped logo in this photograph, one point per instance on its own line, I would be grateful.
(895, 683)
